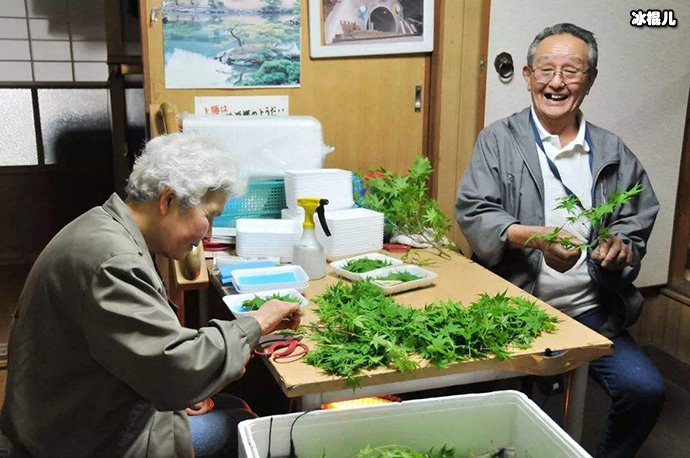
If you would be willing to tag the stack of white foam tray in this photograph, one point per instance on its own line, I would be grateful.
(332, 184)
(353, 231)
(267, 237)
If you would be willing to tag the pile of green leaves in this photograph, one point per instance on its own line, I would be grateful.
(597, 216)
(256, 302)
(404, 200)
(401, 277)
(360, 328)
(361, 265)
(399, 451)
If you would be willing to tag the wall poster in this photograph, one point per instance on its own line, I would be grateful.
(231, 43)
(370, 27)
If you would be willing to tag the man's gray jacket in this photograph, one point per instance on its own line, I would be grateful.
(503, 185)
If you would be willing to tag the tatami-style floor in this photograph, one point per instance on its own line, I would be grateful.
(670, 438)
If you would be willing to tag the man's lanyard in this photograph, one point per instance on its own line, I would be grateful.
(552, 166)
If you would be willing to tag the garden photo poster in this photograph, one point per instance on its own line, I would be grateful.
(231, 43)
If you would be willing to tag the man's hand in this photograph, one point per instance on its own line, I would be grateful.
(200, 407)
(614, 253)
(275, 314)
(555, 255)
(559, 258)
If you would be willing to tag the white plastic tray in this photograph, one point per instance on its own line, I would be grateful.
(267, 278)
(338, 265)
(235, 301)
(277, 227)
(427, 278)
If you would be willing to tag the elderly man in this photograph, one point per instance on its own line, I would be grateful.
(521, 167)
(98, 363)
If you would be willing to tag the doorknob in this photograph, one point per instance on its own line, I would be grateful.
(504, 66)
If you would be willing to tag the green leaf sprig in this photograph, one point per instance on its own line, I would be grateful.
(401, 277)
(405, 201)
(360, 328)
(361, 265)
(413, 257)
(256, 302)
(596, 216)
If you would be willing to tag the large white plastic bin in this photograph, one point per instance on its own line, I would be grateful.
(471, 423)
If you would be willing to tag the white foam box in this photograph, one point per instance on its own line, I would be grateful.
(473, 424)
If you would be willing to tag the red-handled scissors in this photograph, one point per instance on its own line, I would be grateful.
(289, 346)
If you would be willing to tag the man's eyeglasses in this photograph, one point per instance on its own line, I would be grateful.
(543, 75)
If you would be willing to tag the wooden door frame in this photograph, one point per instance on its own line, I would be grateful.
(458, 86)
(681, 220)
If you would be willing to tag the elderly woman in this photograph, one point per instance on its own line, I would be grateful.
(98, 363)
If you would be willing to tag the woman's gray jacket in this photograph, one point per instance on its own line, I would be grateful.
(98, 363)
(503, 185)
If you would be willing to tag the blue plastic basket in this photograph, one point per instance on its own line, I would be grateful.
(263, 199)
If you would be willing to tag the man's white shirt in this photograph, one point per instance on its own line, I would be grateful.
(573, 291)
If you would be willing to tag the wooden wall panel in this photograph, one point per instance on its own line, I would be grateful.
(665, 324)
(365, 104)
(683, 352)
(668, 340)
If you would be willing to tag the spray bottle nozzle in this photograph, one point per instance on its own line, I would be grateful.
(321, 211)
(313, 205)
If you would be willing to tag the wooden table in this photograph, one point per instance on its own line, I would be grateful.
(572, 346)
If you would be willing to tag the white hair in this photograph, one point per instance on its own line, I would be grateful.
(567, 29)
(191, 165)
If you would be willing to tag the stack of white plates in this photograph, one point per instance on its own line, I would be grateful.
(353, 231)
(267, 237)
(332, 184)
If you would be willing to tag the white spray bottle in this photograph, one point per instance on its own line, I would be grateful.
(308, 252)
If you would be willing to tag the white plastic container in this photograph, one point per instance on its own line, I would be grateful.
(234, 301)
(426, 278)
(264, 146)
(267, 278)
(267, 237)
(470, 423)
(338, 266)
(332, 184)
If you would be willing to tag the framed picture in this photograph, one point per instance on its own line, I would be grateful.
(370, 27)
(231, 44)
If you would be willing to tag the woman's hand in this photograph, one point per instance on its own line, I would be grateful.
(276, 314)
(200, 407)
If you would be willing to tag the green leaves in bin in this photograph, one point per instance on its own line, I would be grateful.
(361, 265)
(400, 451)
(256, 303)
